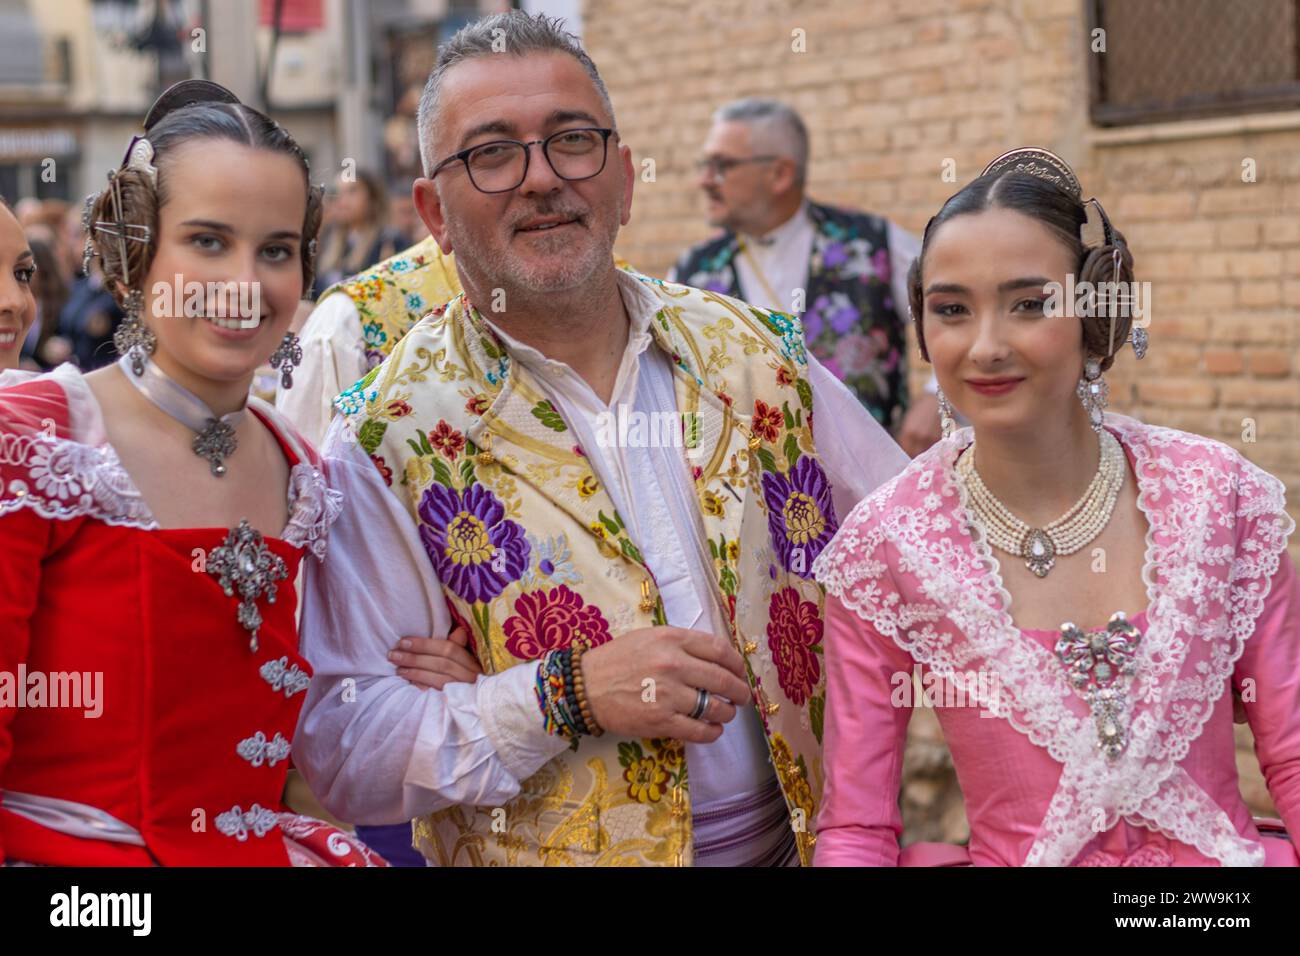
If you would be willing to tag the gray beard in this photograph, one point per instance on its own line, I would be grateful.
(499, 268)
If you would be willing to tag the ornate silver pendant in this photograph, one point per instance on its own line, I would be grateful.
(1038, 551)
(1094, 663)
(216, 443)
(245, 564)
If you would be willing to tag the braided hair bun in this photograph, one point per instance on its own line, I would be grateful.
(122, 220)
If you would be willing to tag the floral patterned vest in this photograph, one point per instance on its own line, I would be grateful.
(532, 553)
(393, 295)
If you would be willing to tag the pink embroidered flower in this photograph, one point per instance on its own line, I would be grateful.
(398, 408)
(1148, 854)
(856, 353)
(477, 405)
(794, 628)
(447, 440)
(385, 472)
(767, 421)
(547, 620)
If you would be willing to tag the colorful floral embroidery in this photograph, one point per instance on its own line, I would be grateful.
(767, 421)
(794, 634)
(475, 549)
(447, 440)
(650, 771)
(551, 620)
(552, 562)
(800, 515)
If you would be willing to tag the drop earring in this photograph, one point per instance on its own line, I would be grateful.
(947, 425)
(1093, 392)
(286, 357)
(132, 338)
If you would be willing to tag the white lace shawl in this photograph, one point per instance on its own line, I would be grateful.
(914, 564)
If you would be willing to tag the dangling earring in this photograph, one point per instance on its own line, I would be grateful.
(287, 354)
(1138, 338)
(133, 338)
(1093, 392)
(946, 423)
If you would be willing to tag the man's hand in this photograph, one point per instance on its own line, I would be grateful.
(920, 428)
(434, 661)
(645, 682)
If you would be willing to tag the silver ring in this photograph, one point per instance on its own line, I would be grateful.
(701, 704)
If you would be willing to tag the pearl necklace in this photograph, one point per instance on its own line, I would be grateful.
(1085, 519)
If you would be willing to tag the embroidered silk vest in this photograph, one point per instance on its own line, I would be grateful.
(393, 295)
(532, 554)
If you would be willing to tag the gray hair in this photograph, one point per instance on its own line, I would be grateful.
(515, 32)
(779, 126)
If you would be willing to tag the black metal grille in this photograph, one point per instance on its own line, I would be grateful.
(1177, 59)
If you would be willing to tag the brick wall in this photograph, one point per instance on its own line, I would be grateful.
(890, 90)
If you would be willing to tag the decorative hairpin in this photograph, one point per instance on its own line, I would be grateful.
(139, 157)
(1041, 163)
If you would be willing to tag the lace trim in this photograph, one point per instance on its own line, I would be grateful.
(61, 479)
(66, 479)
(314, 506)
(1175, 690)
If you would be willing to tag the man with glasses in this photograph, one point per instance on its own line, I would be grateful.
(843, 272)
(639, 600)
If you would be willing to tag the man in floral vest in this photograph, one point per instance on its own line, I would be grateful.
(610, 482)
(843, 272)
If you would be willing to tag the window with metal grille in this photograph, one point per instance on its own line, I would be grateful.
(1180, 59)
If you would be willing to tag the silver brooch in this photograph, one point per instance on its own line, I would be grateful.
(246, 564)
(216, 442)
(1094, 663)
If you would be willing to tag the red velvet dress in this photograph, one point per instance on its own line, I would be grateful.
(181, 757)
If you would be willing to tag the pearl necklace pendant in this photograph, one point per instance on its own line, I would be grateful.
(1038, 551)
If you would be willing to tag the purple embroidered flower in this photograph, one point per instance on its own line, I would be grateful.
(842, 314)
(880, 264)
(475, 548)
(834, 255)
(800, 514)
(812, 320)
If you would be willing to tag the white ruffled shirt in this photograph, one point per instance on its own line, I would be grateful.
(377, 749)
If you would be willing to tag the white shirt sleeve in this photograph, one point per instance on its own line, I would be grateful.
(375, 748)
(333, 358)
(855, 450)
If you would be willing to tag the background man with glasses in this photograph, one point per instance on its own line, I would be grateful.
(844, 272)
(635, 607)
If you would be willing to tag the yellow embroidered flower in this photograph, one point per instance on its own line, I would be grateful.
(804, 522)
(796, 787)
(733, 550)
(588, 486)
(713, 505)
(672, 753)
(646, 779)
(418, 472)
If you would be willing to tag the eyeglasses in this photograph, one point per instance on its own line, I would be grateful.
(502, 164)
(718, 166)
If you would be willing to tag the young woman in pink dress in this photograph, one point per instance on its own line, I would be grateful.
(1087, 594)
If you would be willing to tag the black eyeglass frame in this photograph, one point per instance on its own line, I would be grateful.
(464, 154)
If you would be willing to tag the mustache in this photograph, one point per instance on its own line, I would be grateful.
(564, 209)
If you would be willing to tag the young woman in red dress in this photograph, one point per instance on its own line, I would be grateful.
(153, 519)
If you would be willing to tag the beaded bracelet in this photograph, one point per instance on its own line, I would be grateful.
(580, 694)
(554, 679)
